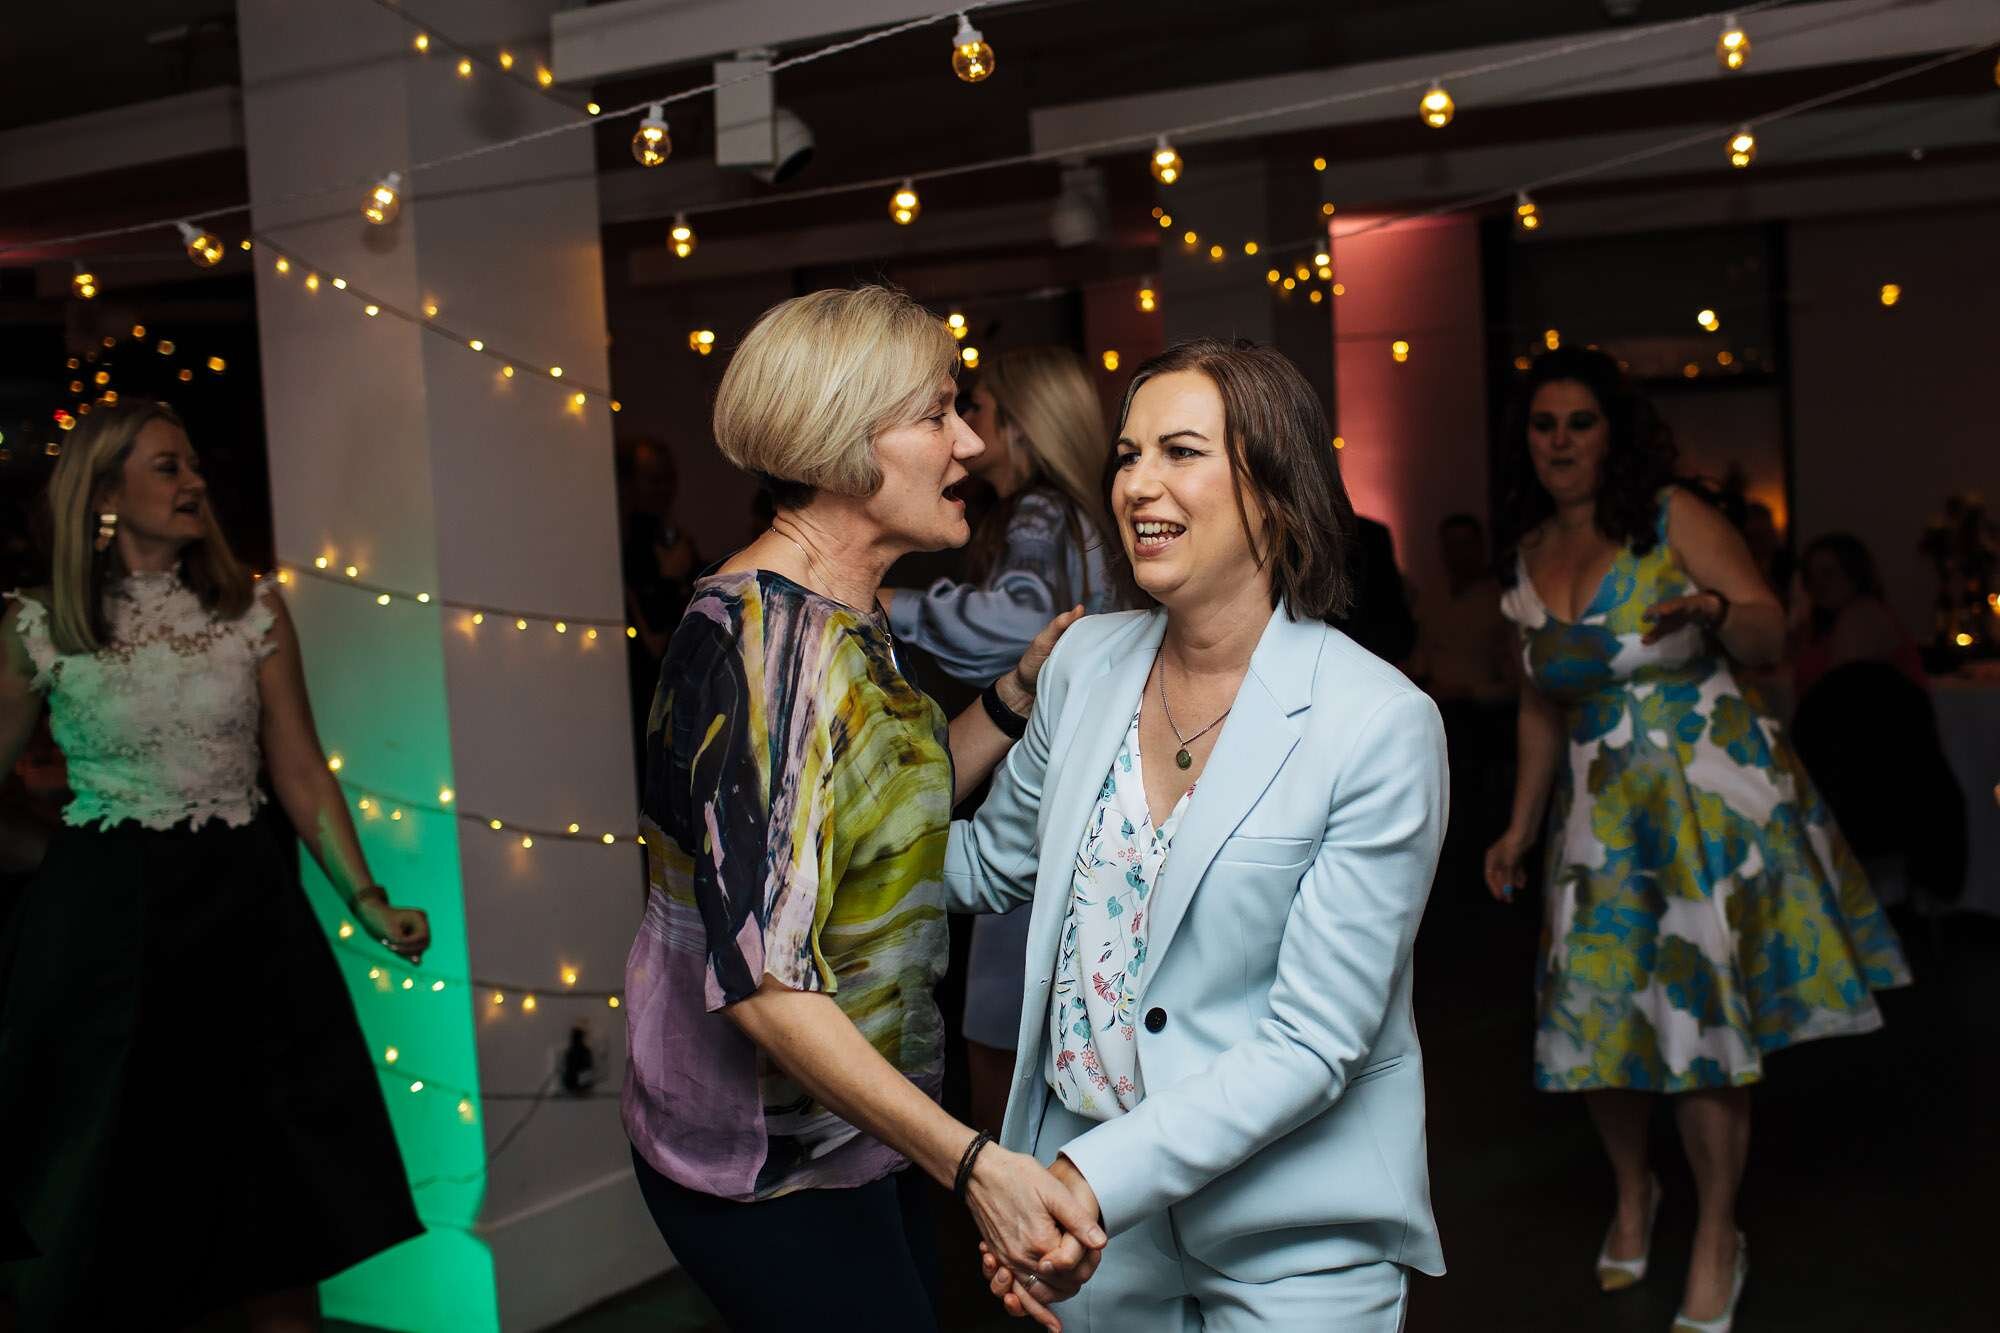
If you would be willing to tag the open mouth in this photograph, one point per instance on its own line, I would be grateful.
(1155, 534)
(953, 493)
(192, 508)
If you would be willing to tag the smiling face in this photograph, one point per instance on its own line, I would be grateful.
(159, 496)
(1174, 497)
(921, 461)
(1568, 439)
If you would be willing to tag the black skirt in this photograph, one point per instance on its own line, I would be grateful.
(188, 1112)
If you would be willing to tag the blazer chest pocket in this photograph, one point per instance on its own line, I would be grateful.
(1280, 853)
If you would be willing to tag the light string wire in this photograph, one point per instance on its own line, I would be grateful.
(501, 145)
(364, 947)
(290, 569)
(1093, 147)
(476, 55)
(384, 306)
(392, 803)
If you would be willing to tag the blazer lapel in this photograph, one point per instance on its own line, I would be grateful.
(1077, 768)
(1255, 743)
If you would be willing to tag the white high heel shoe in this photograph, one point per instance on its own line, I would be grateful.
(1618, 1274)
(1721, 1323)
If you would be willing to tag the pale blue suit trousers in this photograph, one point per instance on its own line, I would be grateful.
(1149, 1284)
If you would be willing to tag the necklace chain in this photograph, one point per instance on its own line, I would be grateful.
(1183, 758)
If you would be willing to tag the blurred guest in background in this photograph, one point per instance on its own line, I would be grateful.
(1465, 660)
(1866, 729)
(1702, 908)
(1847, 619)
(658, 561)
(155, 1195)
(1045, 546)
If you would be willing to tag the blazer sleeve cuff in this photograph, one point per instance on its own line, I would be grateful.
(1115, 1177)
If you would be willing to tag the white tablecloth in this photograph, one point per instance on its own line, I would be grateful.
(1968, 713)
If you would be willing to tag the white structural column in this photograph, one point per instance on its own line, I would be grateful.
(423, 465)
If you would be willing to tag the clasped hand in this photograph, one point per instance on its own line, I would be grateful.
(1042, 1240)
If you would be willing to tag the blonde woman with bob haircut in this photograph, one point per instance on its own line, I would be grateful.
(167, 929)
(786, 1048)
(1047, 544)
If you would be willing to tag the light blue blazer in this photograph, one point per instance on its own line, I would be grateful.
(1283, 1119)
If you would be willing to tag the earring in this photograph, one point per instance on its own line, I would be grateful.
(107, 529)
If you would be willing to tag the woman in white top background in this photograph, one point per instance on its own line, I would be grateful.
(167, 926)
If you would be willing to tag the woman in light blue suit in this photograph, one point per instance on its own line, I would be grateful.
(1227, 816)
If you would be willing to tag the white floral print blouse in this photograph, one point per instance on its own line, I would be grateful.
(1093, 1057)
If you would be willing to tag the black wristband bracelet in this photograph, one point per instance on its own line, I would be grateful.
(966, 1159)
(1005, 718)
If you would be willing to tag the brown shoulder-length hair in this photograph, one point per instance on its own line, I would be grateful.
(90, 469)
(1279, 447)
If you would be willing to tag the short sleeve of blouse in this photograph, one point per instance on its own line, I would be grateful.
(743, 766)
(260, 619)
(31, 625)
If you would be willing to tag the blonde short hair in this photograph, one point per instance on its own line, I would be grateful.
(818, 377)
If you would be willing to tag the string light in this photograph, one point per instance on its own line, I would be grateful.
(903, 204)
(702, 341)
(1319, 164)
(543, 76)
(1526, 216)
(464, 67)
(1215, 253)
(202, 247)
(1399, 350)
(1436, 107)
(83, 284)
(1551, 339)
(1272, 275)
(1167, 164)
(1147, 299)
(1110, 358)
(283, 265)
(971, 57)
(970, 356)
(651, 144)
(506, 60)
(1742, 148)
(593, 108)
(1890, 294)
(681, 237)
(1249, 247)
(1732, 48)
(956, 323)
(384, 201)
(1707, 319)
(422, 42)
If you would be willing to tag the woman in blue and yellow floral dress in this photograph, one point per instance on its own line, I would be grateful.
(1702, 909)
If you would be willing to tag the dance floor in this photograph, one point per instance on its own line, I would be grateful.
(1868, 1201)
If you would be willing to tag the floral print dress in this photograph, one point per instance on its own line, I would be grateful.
(1703, 909)
(1093, 1054)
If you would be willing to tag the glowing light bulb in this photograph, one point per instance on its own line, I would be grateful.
(970, 356)
(569, 976)
(956, 323)
(465, 1109)
(1399, 350)
(1191, 237)
(436, 986)
(1962, 639)
(1166, 221)
(352, 571)
(499, 997)
(520, 624)
(593, 108)
(1167, 164)
(340, 284)
(528, 1003)
(506, 60)
(383, 203)
(1110, 358)
(562, 627)
(479, 618)
(1732, 48)
(477, 344)
(608, 839)
(1891, 293)
(347, 930)
(1272, 276)
(1249, 247)
(904, 206)
(391, 1055)
(507, 372)
(319, 562)
(527, 844)
(334, 763)
(464, 67)
(495, 825)
(1551, 339)
(651, 144)
(1315, 296)
(1289, 284)
(1215, 253)
(1742, 148)
(217, 364)
(430, 310)
(312, 282)
(202, 247)
(83, 285)
(1526, 216)
(1340, 442)
(1326, 210)
(543, 76)
(1437, 108)
(1319, 164)
(446, 796)
(422, 42)
(555, 372)
(971, 57)
(417, 1085)
(681, 237)
(1707, 319)
(612, 1001)
(702, 341)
